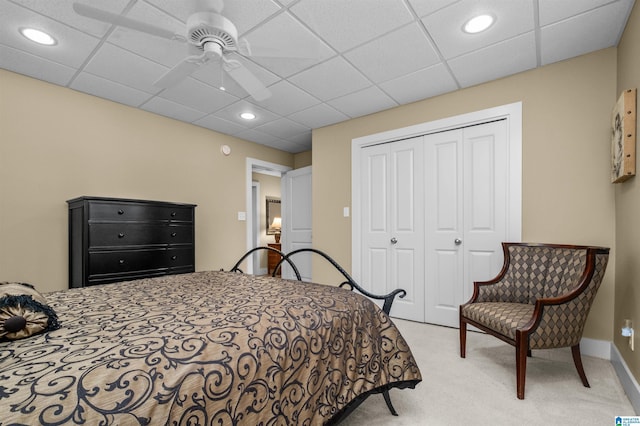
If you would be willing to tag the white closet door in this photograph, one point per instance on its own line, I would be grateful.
(485, 204)
(444, 259)
(465, 215)
(392, 223)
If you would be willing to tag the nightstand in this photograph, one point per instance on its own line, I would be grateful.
(273, 259)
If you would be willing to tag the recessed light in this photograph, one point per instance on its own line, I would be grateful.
(38, 36)
(478, 24)
(248, 115)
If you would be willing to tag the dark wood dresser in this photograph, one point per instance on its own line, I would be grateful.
(114, 239)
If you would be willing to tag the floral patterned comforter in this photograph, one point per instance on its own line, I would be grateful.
(203, 348)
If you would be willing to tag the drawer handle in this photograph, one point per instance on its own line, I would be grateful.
(120, 211)
(121, 261)
(174, 257)
(173, 234)
(121, 235)
(173, 214)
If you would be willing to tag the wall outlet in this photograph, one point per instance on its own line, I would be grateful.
(242, 216)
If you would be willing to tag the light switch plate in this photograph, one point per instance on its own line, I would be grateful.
(242, 215)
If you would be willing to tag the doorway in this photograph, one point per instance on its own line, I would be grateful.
(254, 208)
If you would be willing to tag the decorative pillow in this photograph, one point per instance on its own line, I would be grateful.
(24, 312)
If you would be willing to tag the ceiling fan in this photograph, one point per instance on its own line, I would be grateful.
(209, 36)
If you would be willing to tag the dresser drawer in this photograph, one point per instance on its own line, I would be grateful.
(137, 234)
(119, 211)
(180, 257)
(115, 262)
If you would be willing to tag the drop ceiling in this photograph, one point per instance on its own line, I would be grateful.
(324, 61)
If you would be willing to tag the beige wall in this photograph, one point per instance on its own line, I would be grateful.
(567, 197)
(627, 198)
(57, 144)
(302, 159)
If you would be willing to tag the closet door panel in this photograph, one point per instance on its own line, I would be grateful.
(443, 225)
(485, 202)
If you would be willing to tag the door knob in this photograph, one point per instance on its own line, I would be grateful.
(394, 240)
(458, 241)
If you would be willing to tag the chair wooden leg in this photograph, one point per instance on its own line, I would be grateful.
(463, 338)
(577, 360)
(387, 399)
(521, 363)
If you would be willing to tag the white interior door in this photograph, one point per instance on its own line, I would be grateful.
(392, 223)
(465, 215)
(296, 220)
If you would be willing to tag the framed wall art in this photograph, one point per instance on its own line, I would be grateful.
(623, 137)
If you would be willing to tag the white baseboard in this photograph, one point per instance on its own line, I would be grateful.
(595, 348)
(629, 383)
(607, 350)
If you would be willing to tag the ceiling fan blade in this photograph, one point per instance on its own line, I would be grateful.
(246, 80)
(121, 21)
(180, 71)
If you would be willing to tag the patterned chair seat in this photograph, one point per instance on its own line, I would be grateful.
(503, 317)
(539, 300)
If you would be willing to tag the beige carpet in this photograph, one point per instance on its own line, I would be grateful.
(481, 389)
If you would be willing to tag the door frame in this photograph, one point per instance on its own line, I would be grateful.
(255, 165)
(511, 112)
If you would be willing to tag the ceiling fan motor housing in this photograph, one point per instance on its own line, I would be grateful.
(205, 28)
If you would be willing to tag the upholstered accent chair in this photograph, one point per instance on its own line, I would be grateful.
(539, 300)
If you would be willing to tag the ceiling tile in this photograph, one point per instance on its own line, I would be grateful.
(283, 128)
(243, 14)
(62, 11)
(318, 116)
(158, 49)
(34, 66)
(422, 84)
(331, 79)
(286, 99)
(124, 67)
(422, 7)
(171, 109)
(364, 102)
(72, 46)
(107, 89)
(197, 95)
(584, 33)
(213, 122)
(553, 10)
(232, 113)
(212, 74)
(445, 26)
(301, 138)
(288, 146)
(257, 136)
(407, 48)
(499, 60)
(340, 22)
(286, 47)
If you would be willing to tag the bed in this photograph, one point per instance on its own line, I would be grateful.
(204, 348)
